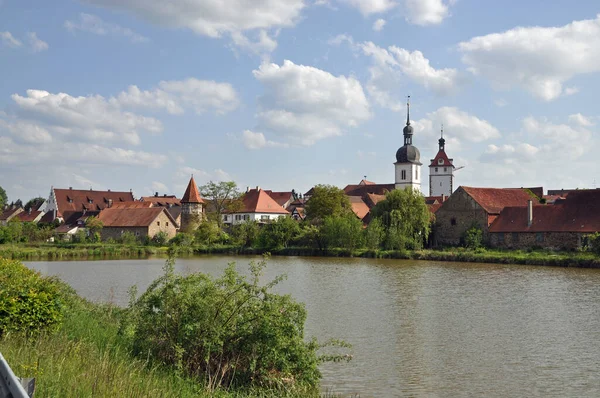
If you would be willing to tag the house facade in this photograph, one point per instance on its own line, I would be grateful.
(257, 206)
(139, 221)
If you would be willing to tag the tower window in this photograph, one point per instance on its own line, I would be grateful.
(404, 174)
(436, 169)
(445, 169)
(453, 221)
(416, 174)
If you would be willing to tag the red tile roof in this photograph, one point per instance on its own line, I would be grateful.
(26, 216)
(280, 197)
(132, 205)
(362, 190)
(434, 207)
(132, 217)
(162, 200)
(9, 213)
(76, 200)
(493, 200)
(445, 162)
(371, 199)
(365, 182)
(258, 201)
(359, 207)
(191, 194)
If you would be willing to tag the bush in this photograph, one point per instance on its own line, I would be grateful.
(161, 238)
(473, 238)
(278, 233)
(209, 233)
(228, 332)
(128, 238)
(29, 303)
(343, 232)
(593, 243)
(183, 239)
(246, 233)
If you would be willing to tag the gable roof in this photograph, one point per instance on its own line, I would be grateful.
(32, 216)
(7, 214)
(75, 200)
(362, 190)
(366, 182)
(131, 205)
(191, 194)
(162, 200)
(371, 199)
(445, 162)
(280, 197)
(493, 200)
(258, 201)
(132, 217)
(359, 207)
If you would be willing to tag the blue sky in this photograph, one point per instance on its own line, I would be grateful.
(285, 94)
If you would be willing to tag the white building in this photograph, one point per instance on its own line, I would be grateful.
(408, 164)
(257, 206)
(441, 172)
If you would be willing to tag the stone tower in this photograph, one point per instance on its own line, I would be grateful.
(408, 164)
(192, 208)
(441, 171)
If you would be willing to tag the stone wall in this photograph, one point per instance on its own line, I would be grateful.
(527, 240)
(116, 232)
(191, 216)
(161, 223)
(458, 214)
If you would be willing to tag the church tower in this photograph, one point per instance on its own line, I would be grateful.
(441, 171)
(192, 207)
(408, 165)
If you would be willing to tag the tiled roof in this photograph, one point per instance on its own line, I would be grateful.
(131, 217)
(75, 200)
(493, 200)
(162, 200)
(65, 228)
(9, 213)
(280, 197)
(191, 194)
(434, 207)
(362, 190)
(26, 216)
(132, 205)
(365, 182)
(47, 218)
(371, 199)
(258, 201)
(579, 212)
(359, 207)
(445, 162)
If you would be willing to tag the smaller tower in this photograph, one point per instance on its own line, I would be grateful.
(441, 171)
(192, 207)
(408, 164)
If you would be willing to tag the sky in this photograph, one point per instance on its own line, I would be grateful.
(286, 94)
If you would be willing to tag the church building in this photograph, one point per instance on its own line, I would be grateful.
(408, 164)
(441, 172)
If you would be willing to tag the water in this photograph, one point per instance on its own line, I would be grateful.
(418, 329)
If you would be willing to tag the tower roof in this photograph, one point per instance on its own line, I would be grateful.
(441, 160)
(191, 194)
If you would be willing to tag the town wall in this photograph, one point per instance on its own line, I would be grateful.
(527, 240)
(457, 215)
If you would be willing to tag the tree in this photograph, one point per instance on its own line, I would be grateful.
(473, 237)
(34, 203)
(374, 234)
(342, 231)
(279, 233)
(327, 201)
(406, 218)
(3, 198)
(94, 225)
(222, 196)
(246, 233)
(209, 232)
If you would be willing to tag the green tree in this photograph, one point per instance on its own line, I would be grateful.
(34, 203)
(209, 233)
(246, 233)
(327, 201)
(374, 234)
(406, 218)
(342, 231)
(222, 197)
(3, 198)
(279, 233)
(94, 225)
(473, 237)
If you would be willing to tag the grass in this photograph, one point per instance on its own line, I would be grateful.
(87, 357)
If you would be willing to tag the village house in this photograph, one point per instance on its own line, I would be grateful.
(9, 213)
(257, 206)
(564, 225)
(31, 215)
(170, 202)
(284, 199)
(468, 207)
(139, 221)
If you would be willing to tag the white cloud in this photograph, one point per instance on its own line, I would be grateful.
(94, 24)
(9, 40)
(263, 44)
(35, 43)
(92, 117)
(254, 140)
(176, 95)
(368, 7)
(501, 103)
(510, 154)
(159, 187)
(214, 18)
(202, 176)
(378, 25)
(457, 124)
(304, 104)
(27, 132)
(580, 120)
(538, 59)
(426, 12)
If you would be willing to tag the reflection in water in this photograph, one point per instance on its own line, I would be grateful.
(418, 329)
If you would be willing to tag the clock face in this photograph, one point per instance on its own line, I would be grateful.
(440, 161)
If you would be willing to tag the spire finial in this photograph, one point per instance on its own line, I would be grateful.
(442, 131)
(408, 111)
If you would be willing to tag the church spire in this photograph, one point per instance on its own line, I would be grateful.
(408, 111)
(442, 141)
(408, 130)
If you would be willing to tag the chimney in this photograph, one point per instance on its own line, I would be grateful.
(156, 194)
(70, 188)
(529, 212)
(110, 203)
(443, 198)
(257, 188)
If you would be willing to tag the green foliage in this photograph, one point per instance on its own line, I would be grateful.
(3, 198)
(183, 239)
(222, 196)
(279, 233)
(128, 238)
(308, 236)
(94, 225)
(160, 239)
(342, 231)
(227, 332)
(34, 203)
(406, 218)
(593, 244)
(209, 233)
(374, 234)
(245, 234)
(29, 303)
(327, 201)
(80, 237)
(473, 237)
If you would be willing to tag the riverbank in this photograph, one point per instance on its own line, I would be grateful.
(116, 251)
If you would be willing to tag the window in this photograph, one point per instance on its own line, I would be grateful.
(436, 169)
(246, 217)
(238, 217)
(158, 223)
(137, 233)
(440, 183)
(225, 218)
(404, 174)
(264, 218)
(445, 169)
(167, 224)
(453, 221)
(539, 237)
(416, 174)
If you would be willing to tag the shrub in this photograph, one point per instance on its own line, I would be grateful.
(183, 239)
(473, 237)
(343, 232)
(593, 243)
(246, 233)
(209, 233)
(278, 233)
(229, 332)
(128, 238)
(161, 238)
(29, 302)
